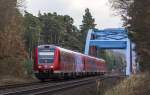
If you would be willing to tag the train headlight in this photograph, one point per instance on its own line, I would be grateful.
(39, 66)
(52, 66)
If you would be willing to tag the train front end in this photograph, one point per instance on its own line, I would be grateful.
(46, 61)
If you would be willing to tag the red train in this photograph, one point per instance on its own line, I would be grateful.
(52, 61)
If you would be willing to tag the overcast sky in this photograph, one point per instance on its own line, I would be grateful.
(100, 10)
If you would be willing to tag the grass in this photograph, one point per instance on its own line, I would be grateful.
(13, 73)
(135, 85)
(11, 80)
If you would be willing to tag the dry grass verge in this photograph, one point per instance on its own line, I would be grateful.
(135, 85)
(11, 80)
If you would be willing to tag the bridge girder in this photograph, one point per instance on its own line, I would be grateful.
(115, 38)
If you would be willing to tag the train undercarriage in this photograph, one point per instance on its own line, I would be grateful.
(71, 75)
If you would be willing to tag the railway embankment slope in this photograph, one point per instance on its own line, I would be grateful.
(11, 80)
(134, 85)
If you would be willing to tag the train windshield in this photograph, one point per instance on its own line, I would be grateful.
(46, 56)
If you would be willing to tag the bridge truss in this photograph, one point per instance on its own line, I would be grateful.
(115, 38)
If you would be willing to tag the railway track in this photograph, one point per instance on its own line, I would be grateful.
(47, 88)
(17, 85)
(26, 84)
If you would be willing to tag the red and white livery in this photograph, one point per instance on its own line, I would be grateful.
(52, 61)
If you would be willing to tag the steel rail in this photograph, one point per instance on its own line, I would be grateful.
(46, 87)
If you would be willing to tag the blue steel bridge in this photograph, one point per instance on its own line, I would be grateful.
(113, 38)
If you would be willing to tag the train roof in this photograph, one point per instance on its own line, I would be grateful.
(69, 51)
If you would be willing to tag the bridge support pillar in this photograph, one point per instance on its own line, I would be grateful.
(128, 58)
(87, 45)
